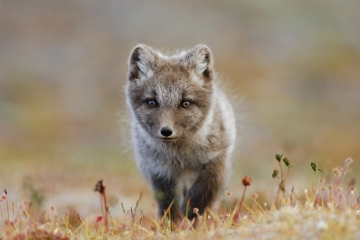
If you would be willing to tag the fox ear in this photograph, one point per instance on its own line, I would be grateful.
(199, 58)
(141, 63)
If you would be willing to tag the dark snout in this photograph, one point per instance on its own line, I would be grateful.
(166, 131)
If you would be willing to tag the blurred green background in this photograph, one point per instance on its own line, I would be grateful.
(63, 70)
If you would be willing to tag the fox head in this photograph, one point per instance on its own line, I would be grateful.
(170, 97)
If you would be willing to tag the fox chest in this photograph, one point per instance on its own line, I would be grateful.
(177, 160)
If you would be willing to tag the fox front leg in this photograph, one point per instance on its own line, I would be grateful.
(165, 195)
(205, 189)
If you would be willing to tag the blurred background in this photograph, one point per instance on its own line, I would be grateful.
(63, 70)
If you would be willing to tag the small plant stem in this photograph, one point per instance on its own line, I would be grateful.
(242, 200)
(261, 208)
(291, 194)
(281, 170)
(67, 223)
(13, 210)
(284, 182)
(2, 217)
(277, 196)
(52, 218)
(7, 205)
(272, 190)
(313, 190)
(288, 171)
(51, 222)
(104, 208)
(307, 196)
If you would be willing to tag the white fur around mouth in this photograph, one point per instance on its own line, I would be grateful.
(167, 139)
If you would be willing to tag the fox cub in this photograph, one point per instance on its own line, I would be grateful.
(183, 127)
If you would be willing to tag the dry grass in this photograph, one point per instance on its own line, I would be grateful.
(330, 210)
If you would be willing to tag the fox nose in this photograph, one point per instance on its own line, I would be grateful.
(166, 131)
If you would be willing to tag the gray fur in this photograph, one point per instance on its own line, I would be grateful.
(194, 161)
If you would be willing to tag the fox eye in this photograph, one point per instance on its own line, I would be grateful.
(151, 103)
(185, 104)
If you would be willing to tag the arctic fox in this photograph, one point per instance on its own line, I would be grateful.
(183, 127)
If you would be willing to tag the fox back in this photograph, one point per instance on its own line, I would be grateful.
(183, 127)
